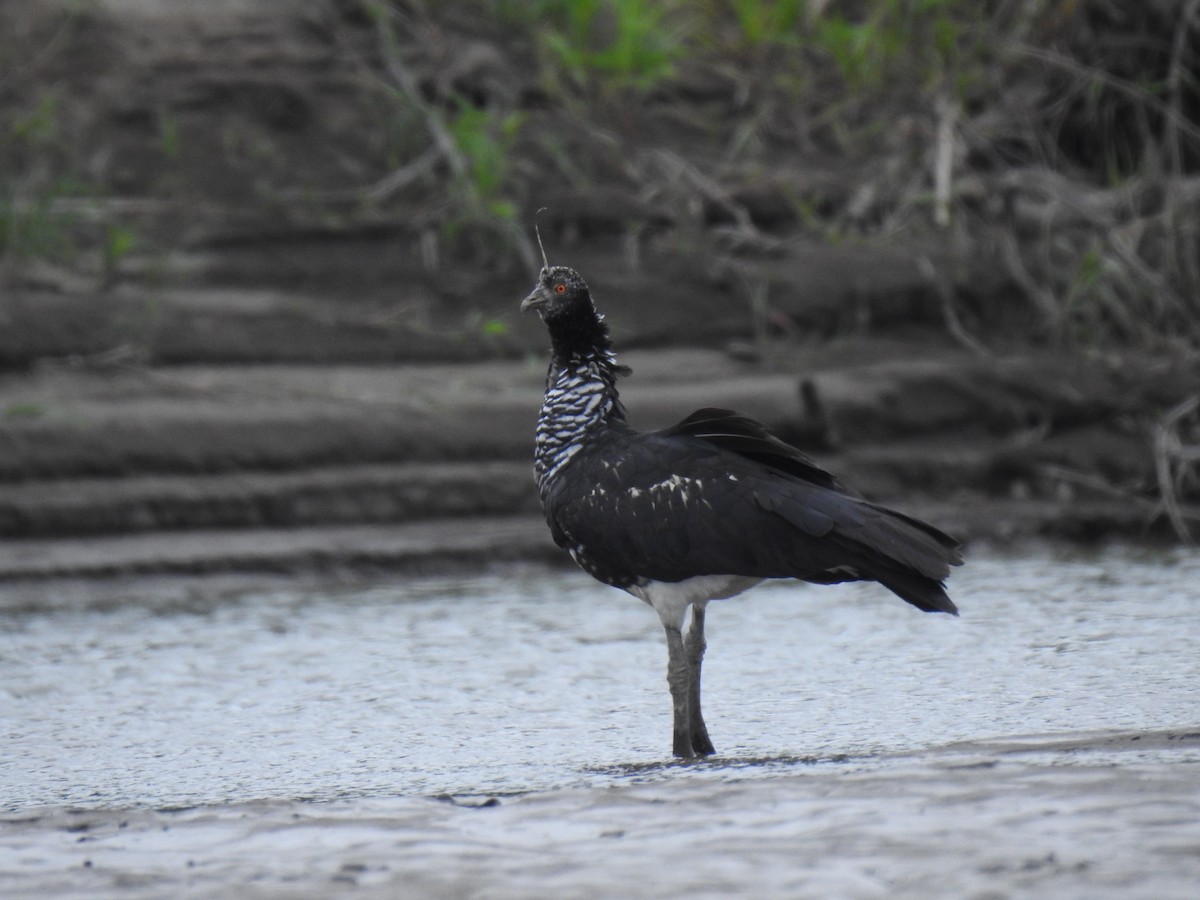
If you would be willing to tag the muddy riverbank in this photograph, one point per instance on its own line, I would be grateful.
(1105, 815)
(124, 469)
(246, 346)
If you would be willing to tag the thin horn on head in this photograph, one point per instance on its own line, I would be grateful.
(541, 210)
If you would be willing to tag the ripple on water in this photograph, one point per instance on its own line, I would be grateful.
(527, 680)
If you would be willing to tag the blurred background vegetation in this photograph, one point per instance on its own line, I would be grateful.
(1005, 190)
(1041, 158)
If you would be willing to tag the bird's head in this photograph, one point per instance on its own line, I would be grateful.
(559, 294)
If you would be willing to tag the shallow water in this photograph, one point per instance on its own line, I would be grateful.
(528, 680)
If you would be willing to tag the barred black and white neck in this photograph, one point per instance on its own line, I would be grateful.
(581, 392)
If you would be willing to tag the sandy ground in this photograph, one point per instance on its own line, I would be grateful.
(1097, 815)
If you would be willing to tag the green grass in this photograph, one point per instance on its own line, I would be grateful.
(485, 138)
(42, 191)
(32, 179)
(762, 22)
(608, 46)
(24, 411)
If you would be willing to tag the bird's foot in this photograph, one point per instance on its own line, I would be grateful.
(701, 744)
(682, 746)
(693, 745)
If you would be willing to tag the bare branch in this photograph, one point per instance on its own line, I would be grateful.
(1121, 85)
(943, 160)
(1171, 463)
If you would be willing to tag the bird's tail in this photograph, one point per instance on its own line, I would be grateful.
(913, 559)
(925, 593)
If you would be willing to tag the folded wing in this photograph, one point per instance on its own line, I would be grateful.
(719, 494)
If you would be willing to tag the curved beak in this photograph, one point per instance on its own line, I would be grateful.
(536, 300)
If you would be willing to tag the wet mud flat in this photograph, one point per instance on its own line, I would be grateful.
(1097, 815)
(506, 735)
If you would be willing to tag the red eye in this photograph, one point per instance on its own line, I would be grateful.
(560, 288)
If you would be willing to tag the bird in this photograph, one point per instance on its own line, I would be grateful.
(702, 510)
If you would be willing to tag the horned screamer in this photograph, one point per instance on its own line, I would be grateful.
(702, 510)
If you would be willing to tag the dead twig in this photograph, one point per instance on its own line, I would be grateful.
(698, 185)
(1041, 297)
(1176, 73)
(1122, 86)
(1173, 462)
(1096, 483)
(402, 78)
(1181, 222)
(949, 314)
(943, 160)
(443, 141)
(380, 191)
(1158, 285)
